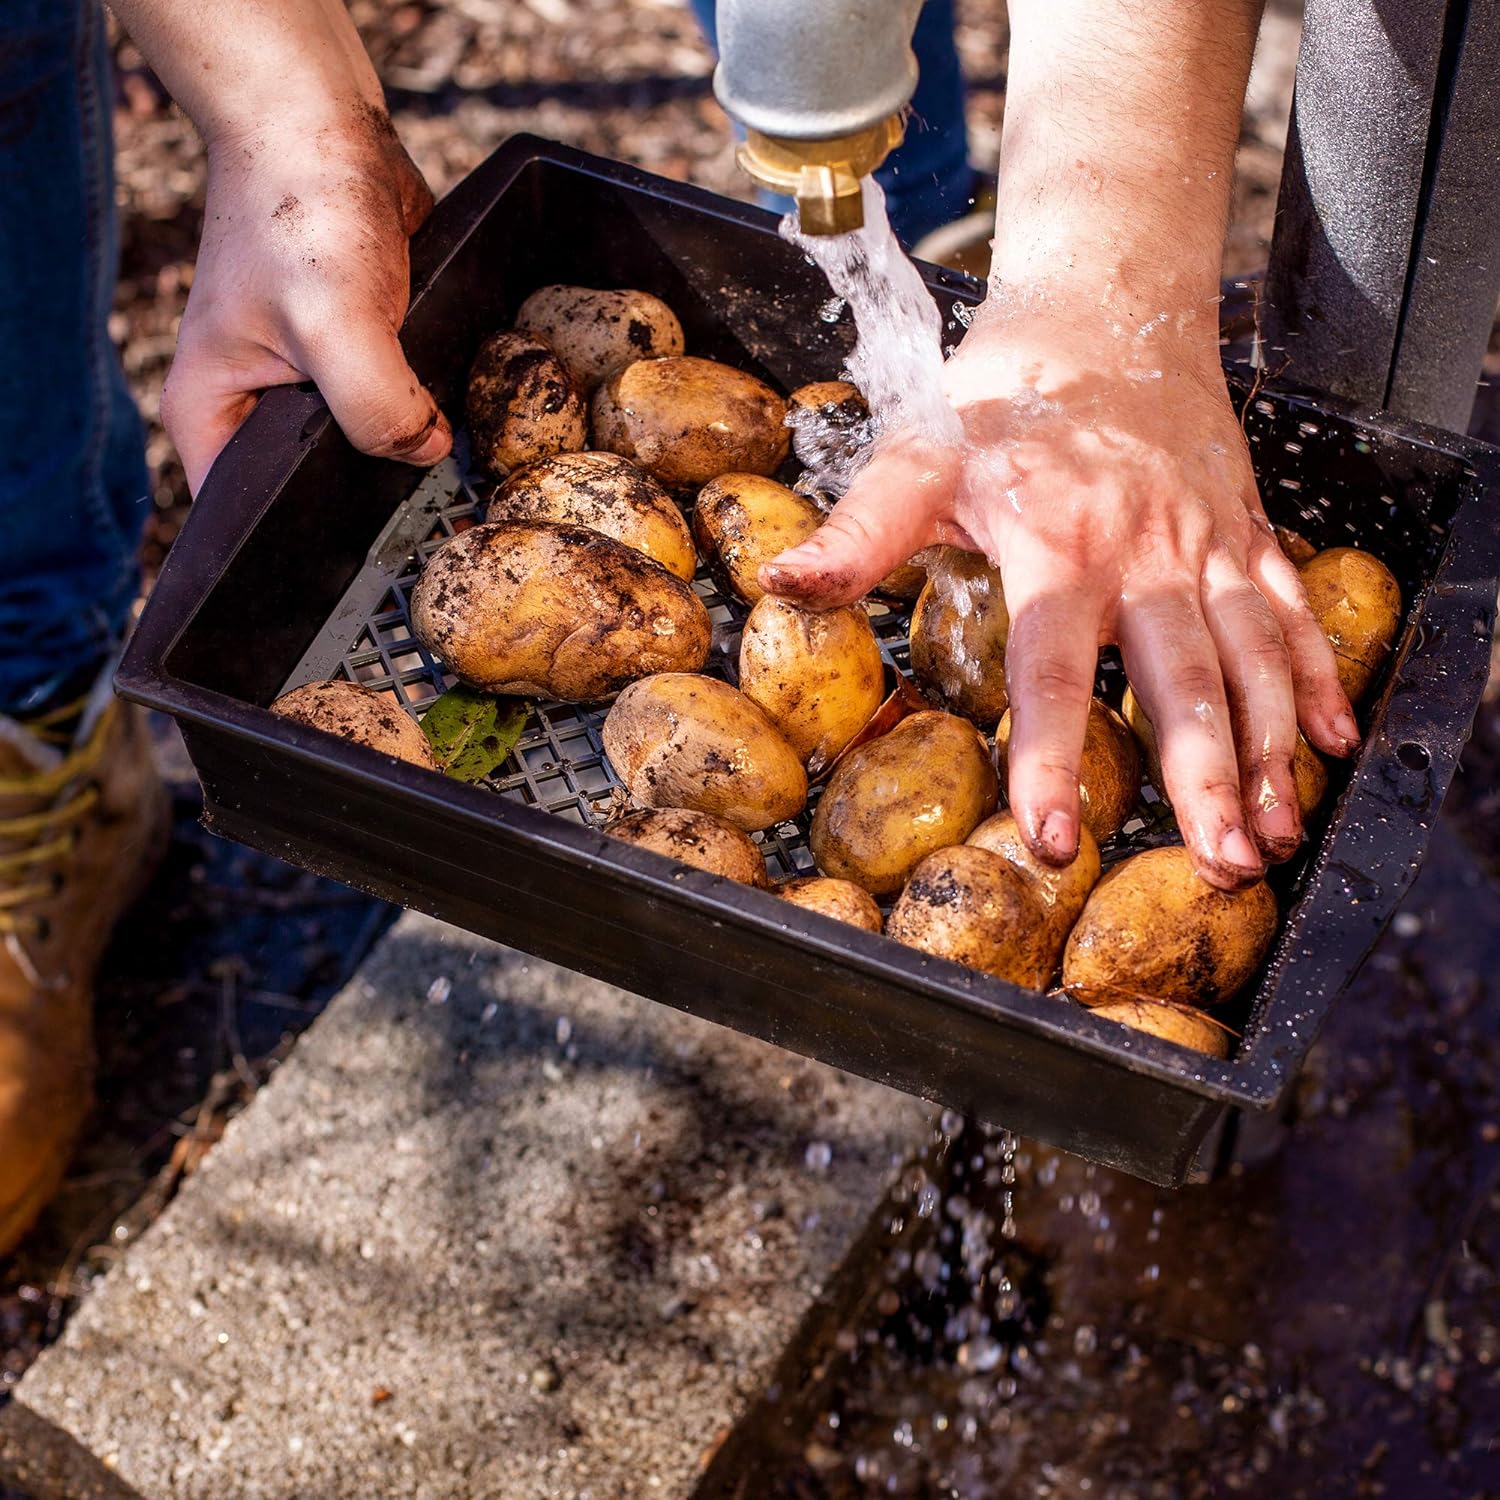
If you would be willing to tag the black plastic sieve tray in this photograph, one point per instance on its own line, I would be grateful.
(295, 562)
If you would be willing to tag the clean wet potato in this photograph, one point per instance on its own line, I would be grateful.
(1184, 1024)
(922, 787)
(540, 609)
(840, 899)
(743, 521)
(818, 674)
(695, 838)
(1357, 601)
(830, 423)
(1153, 929)
(1109, 780)
(521, 405)
(969, 905)
(680, 740)
(958, 634)
(688, 420)
(595, 333)
(359, 714)
(606, 493)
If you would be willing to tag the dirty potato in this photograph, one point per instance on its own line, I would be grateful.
(742, 521)
(1109, 782)
(817, 674)
(555, 611)
(595, 333)
(1152, 929)
(1357, 601)
(1140, 726)
(893, 801)
(958, 633)
(359, 714)
(830, 424)
(521, 405)
(695, 838)
(1296, 546)
(969, 905)
(605, 493)
(904, 583)
(678, 740)
(840, 899)
(1184, 1024)
(688, 420)
(1059, 894)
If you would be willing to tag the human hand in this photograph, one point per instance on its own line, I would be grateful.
(1105, 474)
(303, 274)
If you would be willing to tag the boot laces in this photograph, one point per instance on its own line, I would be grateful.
(36, 847)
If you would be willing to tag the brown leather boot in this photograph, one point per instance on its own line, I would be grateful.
(83, 824)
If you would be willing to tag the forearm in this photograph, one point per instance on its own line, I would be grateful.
(1118, 154)
(240, 67)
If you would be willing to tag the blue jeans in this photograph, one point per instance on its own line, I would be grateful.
(927, 179)
(73, 491)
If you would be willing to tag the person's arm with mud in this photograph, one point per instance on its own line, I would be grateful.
(1105, 472)
(302, 272)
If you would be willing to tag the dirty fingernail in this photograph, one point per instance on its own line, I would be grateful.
(1060, 835)
(1346, 729)
(1236, 849)
(1278, 823)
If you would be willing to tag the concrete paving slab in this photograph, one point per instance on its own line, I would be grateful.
(494, 1230)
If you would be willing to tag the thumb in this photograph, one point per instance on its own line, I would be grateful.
(891, 512)
(375, 397)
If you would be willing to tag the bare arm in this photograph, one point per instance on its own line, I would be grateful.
(303, 270)
(1104, 470)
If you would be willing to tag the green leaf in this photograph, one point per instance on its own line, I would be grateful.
(471, 733)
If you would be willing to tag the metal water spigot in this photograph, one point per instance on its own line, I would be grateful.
(820, 87)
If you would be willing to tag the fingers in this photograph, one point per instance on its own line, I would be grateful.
(1322, 706)
(1050, 657)
(201, 414)
(1173, 665)
(1258, 686)
(383, 409)
(892, 511)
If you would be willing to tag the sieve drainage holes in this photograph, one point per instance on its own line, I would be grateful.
(1413, 756)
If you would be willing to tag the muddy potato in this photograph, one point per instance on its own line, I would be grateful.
(817, 674)
(1357, 601)
(830, 425)
(1109, 782)
(678, 740)
(840, 899)
(1296, 546)
(359, 714)
(689, 420)
(595, 333)
(555, 611)
(1184, 1024)
(697, 839)
(742, 521)
(969, 905)
(895, 800)
(521, 404)
(605, 493)
(1059, 894)
(1152, 928)
(958, 633)
(904, 583)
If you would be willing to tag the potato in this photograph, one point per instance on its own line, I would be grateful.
(689, 420)
(817, 674)
(958, 632)
(1153, 929)
(904, 583)
(969, 905)
(840, 899)
(1135, 716)
(1296, 546)
(695, 838)
(895, 800)
(742, 521)
(521, 405)
(605, 493)
(556, 611)
(1109, 783)
(678, 740)
(596, 333)
(1059, 894)
(1357, 601)
(360, 714)
(1184, 1024)
(830, 424)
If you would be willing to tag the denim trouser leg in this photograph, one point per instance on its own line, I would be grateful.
(926, 179)
(73, 492)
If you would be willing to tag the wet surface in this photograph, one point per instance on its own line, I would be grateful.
(1325, 1319)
